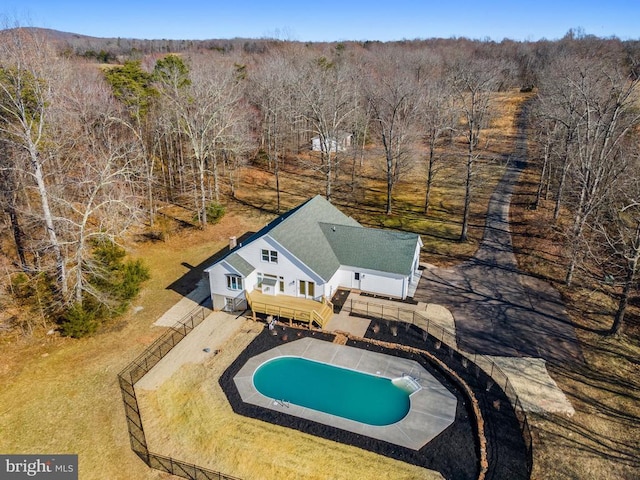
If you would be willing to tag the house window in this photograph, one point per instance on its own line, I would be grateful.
(234, 282)
(264, 276)
(270, 256)
(356, 276)
(307, 289)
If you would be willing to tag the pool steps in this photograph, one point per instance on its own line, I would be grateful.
(408, 383)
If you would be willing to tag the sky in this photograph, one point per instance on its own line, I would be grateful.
(330, 20)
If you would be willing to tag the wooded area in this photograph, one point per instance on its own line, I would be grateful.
(91, 152)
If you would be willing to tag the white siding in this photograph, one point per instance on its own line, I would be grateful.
(371, 281)
(288, 267)
(342, 278)
(218, 285)
(292, 271)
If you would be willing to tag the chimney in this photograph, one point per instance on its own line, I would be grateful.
(232, 243)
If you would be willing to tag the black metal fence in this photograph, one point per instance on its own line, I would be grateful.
(396, 317)
(128, 377)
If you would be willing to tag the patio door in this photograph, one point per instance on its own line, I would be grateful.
(306, 289)
(356, 280)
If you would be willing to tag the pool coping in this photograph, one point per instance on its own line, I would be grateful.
(432, 410)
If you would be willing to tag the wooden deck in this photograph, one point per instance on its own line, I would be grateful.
(294, 308)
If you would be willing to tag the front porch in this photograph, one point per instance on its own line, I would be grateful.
(294, 308)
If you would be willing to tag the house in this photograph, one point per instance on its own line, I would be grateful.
(337, 144)
(310, 252)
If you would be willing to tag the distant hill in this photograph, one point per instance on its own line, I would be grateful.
(58, 35)
(115, 49)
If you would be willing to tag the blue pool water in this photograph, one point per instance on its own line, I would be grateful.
(345, 393)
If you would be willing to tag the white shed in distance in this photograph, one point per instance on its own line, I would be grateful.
(332, 145)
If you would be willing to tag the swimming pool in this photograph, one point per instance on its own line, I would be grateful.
(432, 408)
(350, 394)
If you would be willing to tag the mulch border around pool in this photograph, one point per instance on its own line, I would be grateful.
(454, 453)
(508, 456)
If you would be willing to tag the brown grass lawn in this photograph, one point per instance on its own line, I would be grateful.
(208, 433)
(61, 395)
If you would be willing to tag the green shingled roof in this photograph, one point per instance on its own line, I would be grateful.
(370, 248)
(324, 238)
(300, 234)
(243, 267)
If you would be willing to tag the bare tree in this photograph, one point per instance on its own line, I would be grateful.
(617, 238)
(133, 86)
(327, 107)
(393, 93)
(545, 138)
(473, 82)
(558, 106)
(29, 74)
(272, 94)
(171, 77)
(10, 202)
(100, 199)
(209, 111)
(438, 117)
(607, 114)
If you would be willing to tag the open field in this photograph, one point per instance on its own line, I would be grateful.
(61, 395)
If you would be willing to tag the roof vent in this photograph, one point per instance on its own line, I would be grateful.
(333, 229)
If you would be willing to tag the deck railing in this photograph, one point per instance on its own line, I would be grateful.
(319, 316)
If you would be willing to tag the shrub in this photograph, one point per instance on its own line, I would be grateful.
(117, 281)
(215, 212)
(35, 292)
(79, 321)
(134, 272)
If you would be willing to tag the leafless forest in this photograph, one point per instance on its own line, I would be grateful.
(97, 136)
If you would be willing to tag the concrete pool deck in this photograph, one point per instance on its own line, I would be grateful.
(433, 407)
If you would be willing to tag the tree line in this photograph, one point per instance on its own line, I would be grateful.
(88, 153)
